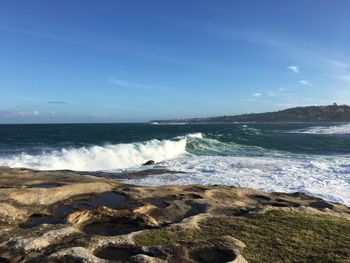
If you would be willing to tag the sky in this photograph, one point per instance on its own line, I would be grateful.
(133, 61)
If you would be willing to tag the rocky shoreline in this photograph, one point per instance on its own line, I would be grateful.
(65, 216)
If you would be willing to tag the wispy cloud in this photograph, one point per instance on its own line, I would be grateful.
(305, 83)
(128, 47)
(135, 85)
(343, 78)
(336, 63)
(257, 94)
(57, 102)
(301, 49)
(8, 113)
(294, 68)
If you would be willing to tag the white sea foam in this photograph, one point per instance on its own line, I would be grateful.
(323, 176)
(173, 123)
(197, 135)
(250, 130)
(339, 129)
(108, 157)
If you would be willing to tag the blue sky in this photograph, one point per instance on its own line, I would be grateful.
(130, 61)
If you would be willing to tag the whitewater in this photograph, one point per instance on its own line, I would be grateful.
(233, 155)
(341, 129)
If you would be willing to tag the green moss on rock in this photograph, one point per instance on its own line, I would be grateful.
(156, 238)
(274, 236)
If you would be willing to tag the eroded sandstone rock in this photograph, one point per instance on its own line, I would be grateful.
(69, 217)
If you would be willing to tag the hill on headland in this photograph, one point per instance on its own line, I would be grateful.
(329, 113)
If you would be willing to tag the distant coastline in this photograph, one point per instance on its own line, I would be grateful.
(329, 113)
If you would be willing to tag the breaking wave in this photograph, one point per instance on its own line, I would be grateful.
(339, 129)
(107, 157)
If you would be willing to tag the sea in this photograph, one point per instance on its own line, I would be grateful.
(313, 158)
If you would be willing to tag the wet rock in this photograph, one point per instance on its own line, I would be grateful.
(221, 250)
(45, 185)
(141, 258)
(112, 200)
(150, 162)
(321, 205)
(4, 260)
(110, 229)
(178, 210)
(122, 254)
(39, 219)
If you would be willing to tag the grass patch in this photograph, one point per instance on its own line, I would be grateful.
(274, 236)
(161, 237)
(279, 236)
(156, 238)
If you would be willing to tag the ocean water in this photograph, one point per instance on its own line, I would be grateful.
(313, 158)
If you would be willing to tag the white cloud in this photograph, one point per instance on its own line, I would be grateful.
(294, 68)
(305, 83)
(257, 94)
(281, 89)
(272, 94)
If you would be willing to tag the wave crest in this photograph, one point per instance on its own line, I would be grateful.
(106, 157)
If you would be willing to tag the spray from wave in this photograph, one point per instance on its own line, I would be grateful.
(130, 155)
(340, 129)
(108, 157)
